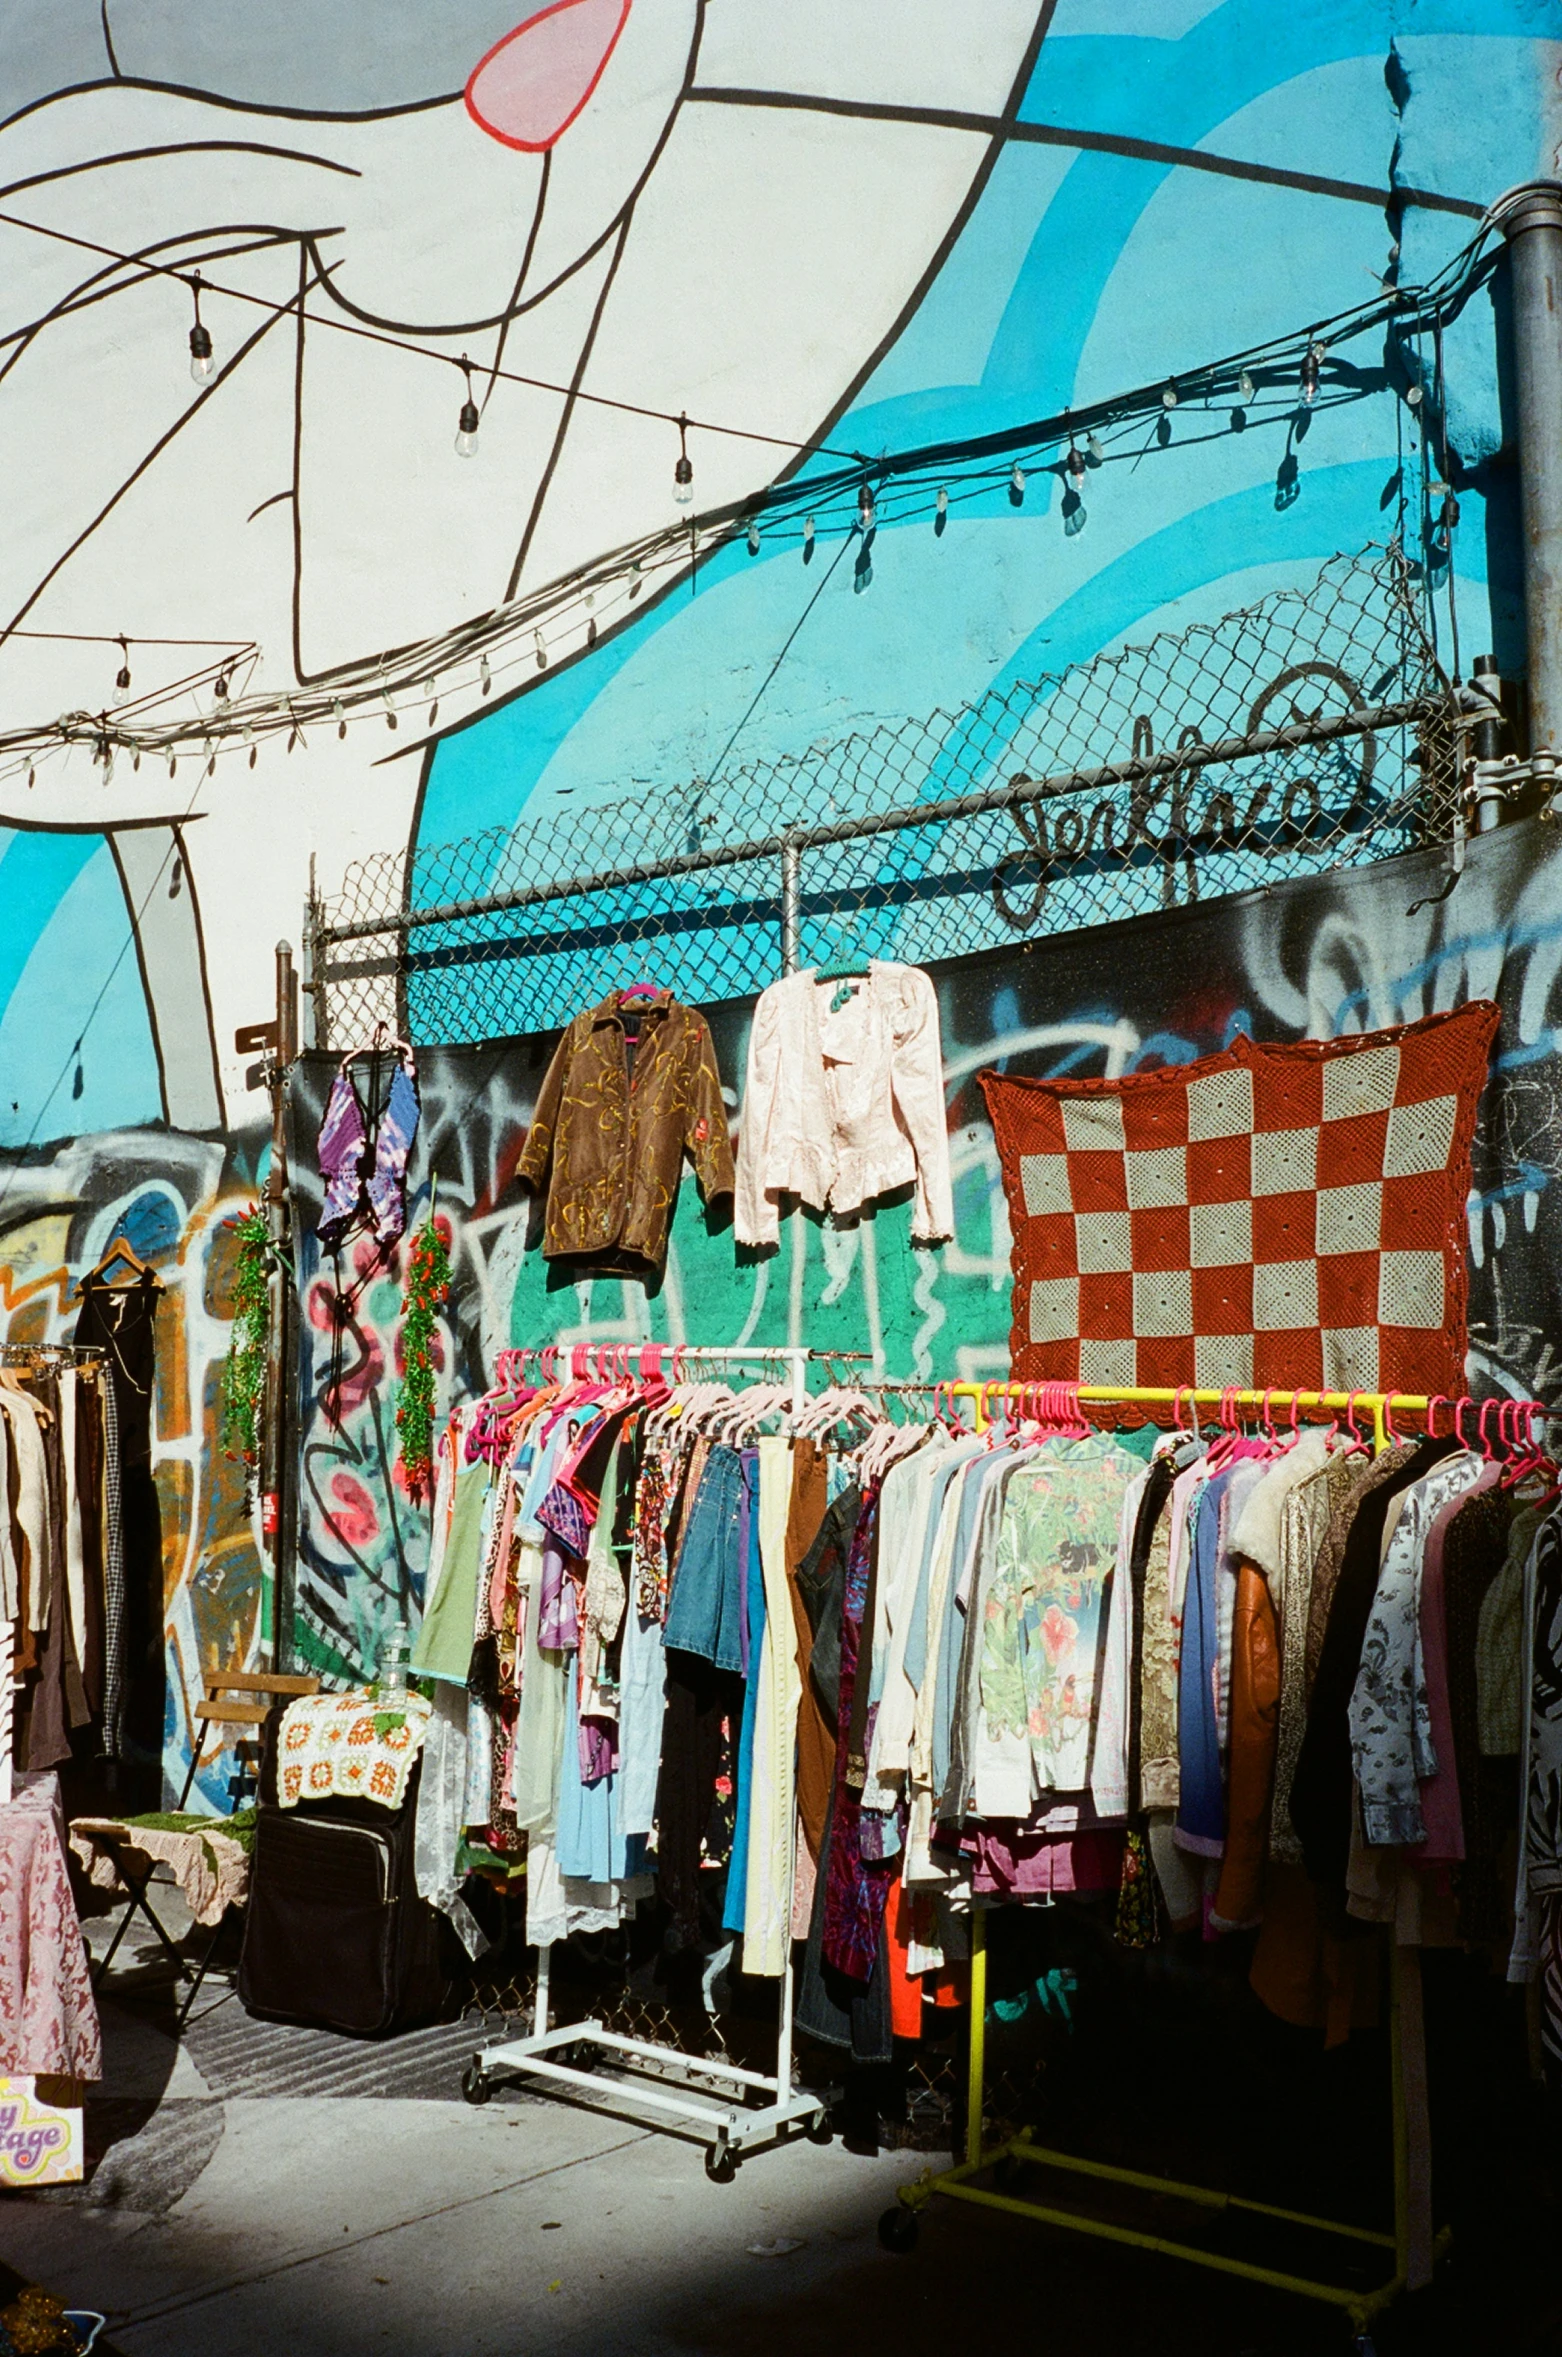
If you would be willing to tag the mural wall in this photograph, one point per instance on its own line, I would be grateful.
(827, 221)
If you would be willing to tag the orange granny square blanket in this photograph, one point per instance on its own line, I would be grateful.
(1292, 1216)
(349, 1747)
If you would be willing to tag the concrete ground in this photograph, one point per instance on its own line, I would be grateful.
(263, 2189)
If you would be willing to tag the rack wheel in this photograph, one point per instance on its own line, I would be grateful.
(475, 2084)
(898, 2229)
(818, 2128)
(721, 2164)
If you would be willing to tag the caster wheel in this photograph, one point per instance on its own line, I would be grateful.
(475, 2084)
(819, 2129)
(898, 2229)
(721, 2164)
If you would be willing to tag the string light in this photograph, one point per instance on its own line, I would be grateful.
(808, 540)
(484, 673)
(1310, 373)
(1016, 485)
(432, 693)
(220, 688)
(1093, 445)
(466, 429)
(753, 538)
(1169, 397)
(635, 580)
(339, 715)
(867, 512)
(1076, 469)
(390, 707)
(591, 630)
(941, 503)
(683, 470)
(539, 650)
(1245, 386)
(122, 676)
(249, 739)
(201, 362)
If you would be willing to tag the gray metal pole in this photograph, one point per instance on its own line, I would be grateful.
(1532, 224)
(791, 871)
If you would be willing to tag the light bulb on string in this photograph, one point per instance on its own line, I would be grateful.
(391, 720)
(32, 775)
(467, 424)
(339, 715)
(202, 363)
(753, 538)
(867, 512)
(1245, 386)
(1310, 373)
(683, 470)
(1016, 485)
(591, 630)
(1414, 396)
(1076, 469)
(1169, 397)
(135, 759)
(220, 688)
(122, 676)
(432, 692)
(808, 540)
(484, 673)
(636, 579)
(540, 651)
(249, 739)
(173, 763)
(941, 503)
(1094, 449)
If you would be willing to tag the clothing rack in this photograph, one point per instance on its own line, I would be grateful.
(1412, 2244)
(720, 2111)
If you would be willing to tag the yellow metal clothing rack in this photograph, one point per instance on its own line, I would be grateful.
(898, 2227)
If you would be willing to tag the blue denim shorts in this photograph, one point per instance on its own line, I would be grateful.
(704, 1609)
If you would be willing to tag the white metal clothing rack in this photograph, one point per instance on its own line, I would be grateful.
(692, 2094)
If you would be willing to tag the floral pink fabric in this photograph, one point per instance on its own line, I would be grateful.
(48, 2018)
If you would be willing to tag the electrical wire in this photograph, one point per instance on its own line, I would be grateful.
(919, 472)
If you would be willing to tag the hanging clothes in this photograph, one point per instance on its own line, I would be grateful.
(363, 1154)
(632, 1088)
(844, 1103)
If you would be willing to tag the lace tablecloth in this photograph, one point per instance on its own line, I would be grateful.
(48, 2018)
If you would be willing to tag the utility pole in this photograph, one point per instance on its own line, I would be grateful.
(1531, 219)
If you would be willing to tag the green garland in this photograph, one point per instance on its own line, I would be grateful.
(428, 1283)
(244, 1375)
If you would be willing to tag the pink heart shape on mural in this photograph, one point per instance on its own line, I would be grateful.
(531, 85)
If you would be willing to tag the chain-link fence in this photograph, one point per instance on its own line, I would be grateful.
(1311, 730)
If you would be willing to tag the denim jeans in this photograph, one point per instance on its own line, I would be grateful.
(704, 1609)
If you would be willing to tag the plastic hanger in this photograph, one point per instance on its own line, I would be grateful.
(120, 1250)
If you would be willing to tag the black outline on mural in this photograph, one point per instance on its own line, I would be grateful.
(187, 882)
(81, 299)
(1152, 151)
(179, 147)
(149, 459)
(979, 179)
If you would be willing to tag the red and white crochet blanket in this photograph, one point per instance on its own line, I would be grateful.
(1273, 1215)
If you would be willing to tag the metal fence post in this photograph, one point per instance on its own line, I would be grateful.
(791, 871)
(1532, 225)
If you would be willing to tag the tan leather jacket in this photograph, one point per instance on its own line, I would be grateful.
(610, 1131)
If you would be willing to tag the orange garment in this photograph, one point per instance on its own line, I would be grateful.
(1254, 1728)
(907, 1990)
(1306, 1973)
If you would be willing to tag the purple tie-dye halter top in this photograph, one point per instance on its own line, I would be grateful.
(363, 1183)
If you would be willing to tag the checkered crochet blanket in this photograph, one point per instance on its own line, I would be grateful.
(349, 1747)
(1291, 1215)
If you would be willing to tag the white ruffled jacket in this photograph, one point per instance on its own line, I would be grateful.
(840, 1108)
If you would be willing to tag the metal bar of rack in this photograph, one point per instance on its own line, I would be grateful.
(722, 2112)
(898, 2227)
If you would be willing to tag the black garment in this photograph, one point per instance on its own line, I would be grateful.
(703, 1709)
(1321, 1791)
(821, 1583)
(831, 2008)
(1475, 1546)
(121, 1320)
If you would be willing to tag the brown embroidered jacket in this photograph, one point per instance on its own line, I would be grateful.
(613, 1123)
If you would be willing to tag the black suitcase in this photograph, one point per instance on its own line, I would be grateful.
(335, 1934)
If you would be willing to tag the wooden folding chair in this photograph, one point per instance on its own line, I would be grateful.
(212, 1711)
